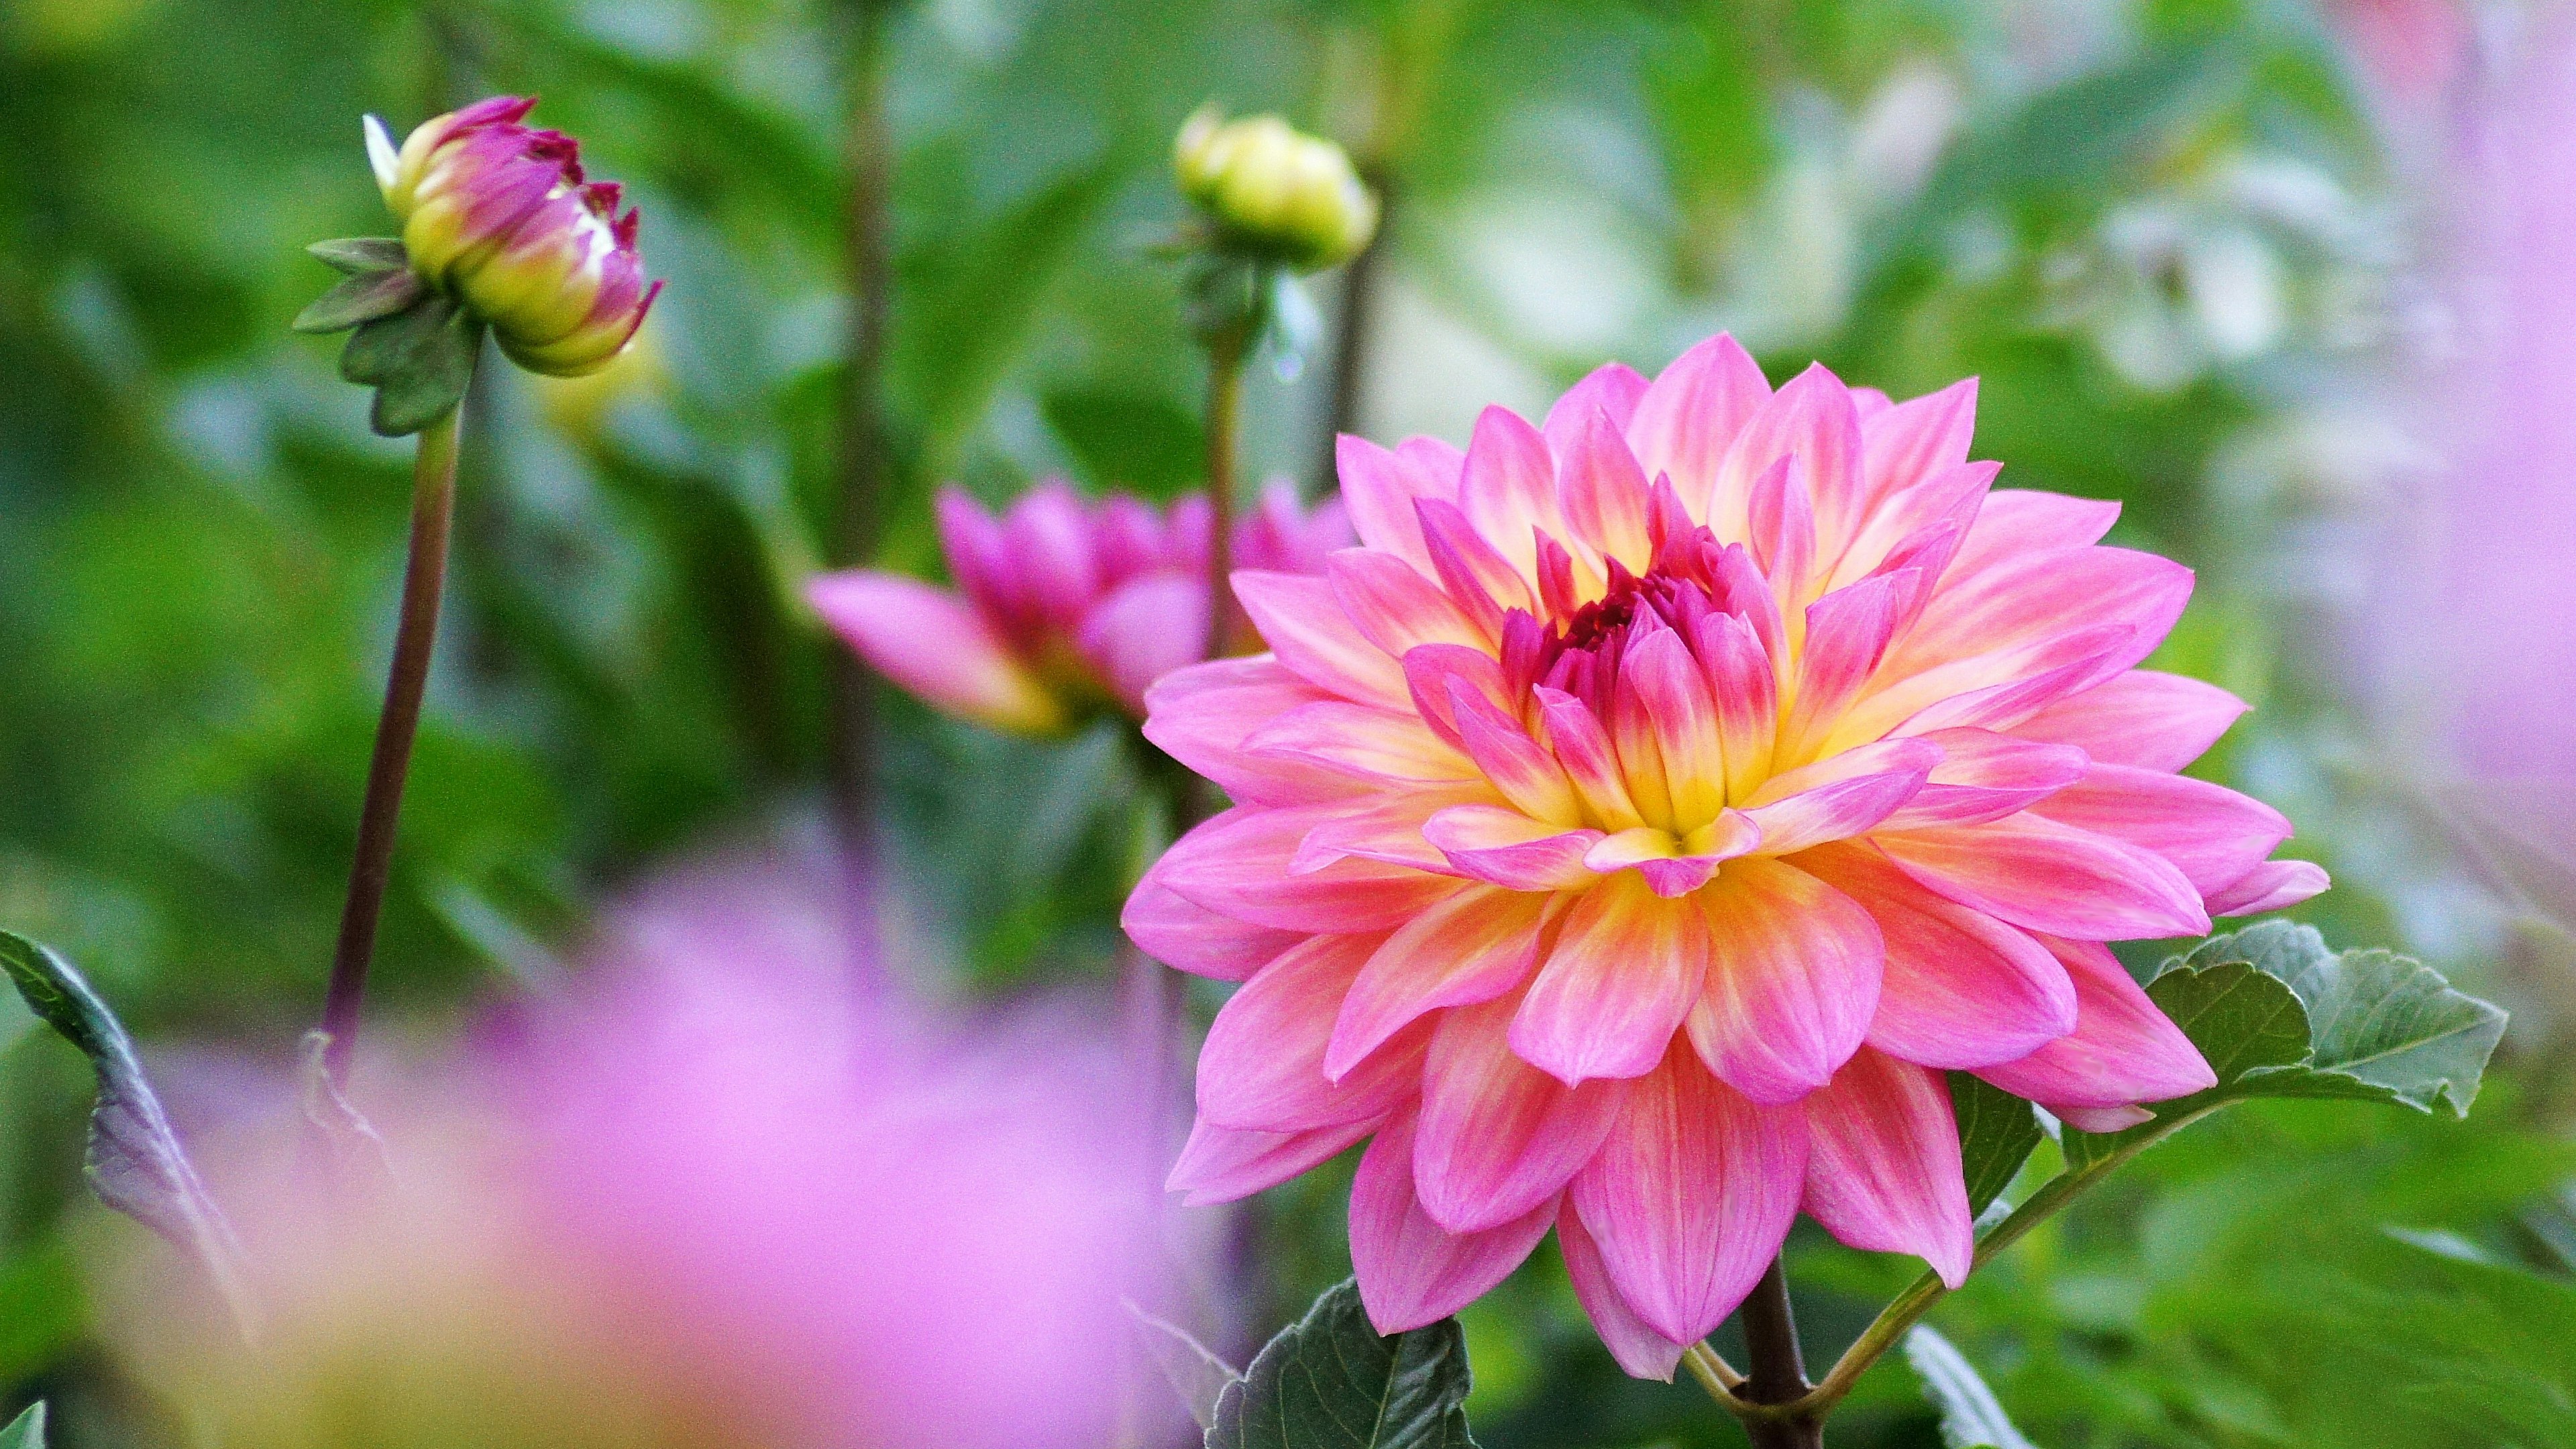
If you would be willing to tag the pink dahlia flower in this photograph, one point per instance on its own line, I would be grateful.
(1063, 606)
(1630, 833)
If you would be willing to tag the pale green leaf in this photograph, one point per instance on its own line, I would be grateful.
(1196, 1374)
(1971, 1417)
(27, 1431)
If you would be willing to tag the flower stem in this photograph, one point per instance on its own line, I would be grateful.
(433, 507)
(850, 758)
(1226, 353)
(1779, 1373)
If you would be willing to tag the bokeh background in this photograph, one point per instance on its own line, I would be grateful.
(2294, 282)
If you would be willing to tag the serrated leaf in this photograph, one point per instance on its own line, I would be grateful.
(1196, 1374)
(1329, 1381)
(360, 298)
(1997, 1132)
(1971, 1417)
(135, 1164)
(27, 1431)
(418, 360)
(361, 255)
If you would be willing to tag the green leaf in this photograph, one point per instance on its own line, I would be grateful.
(360, 298)
(1329, 1381)
(1997, 1132)
(27, 1431)
(418, 360)
(1971, 1418)
(136, 1164)
(1194, 1371)
(2279, 1015)
(363, 255)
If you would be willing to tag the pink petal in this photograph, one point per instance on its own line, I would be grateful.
(1683, 715)
(2122, 1051)
(1916, 440)
(1427, 672)
(1527, 775)
(1691, 1196)
(1839, 797)
(1481, 580)
(1411, 1270)
(1385, 827)
(2100, 1119)
(1741, 680)
(2143, 718)
(1508, 487)
(1380, 488)
(1793, 979)
(1363, 742)
(927, 640)
(1603, 491)
(1899, 528)
(1475, 946)
(2043, 876)
(1847, 634)
(1223, 1164)
(1201, 715)
(1580, 745)
(1510, 849)
(1781, 520)
(1986, 776)
(1192, 938)
(1392, 604)
(1047, 549)
(1622, 975)
(1303, 623)
(2210, 833)
(1263, 1064)
(971, 540)
(1691, 413)
(2271, 886)
(1883, 1169)
(1811, 419)
(1613, 389)
(2017, 522)
(1962, 989)
(1144, 629)
(1642, 1352)
(1238, 864)
(1497, 1137)
(1668, 868)
(2035, 596)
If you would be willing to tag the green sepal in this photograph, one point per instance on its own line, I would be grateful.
(418, 360)
(361, 256)
(360, 297)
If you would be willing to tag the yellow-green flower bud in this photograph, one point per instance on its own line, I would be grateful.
(1273, 191)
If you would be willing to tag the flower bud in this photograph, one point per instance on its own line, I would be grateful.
(1273, 191)
(500, 217)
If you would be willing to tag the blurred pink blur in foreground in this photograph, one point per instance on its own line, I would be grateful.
(719, 1197)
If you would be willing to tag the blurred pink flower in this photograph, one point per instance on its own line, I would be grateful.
(716, 1196)
(1633, 830)
(1063, 606)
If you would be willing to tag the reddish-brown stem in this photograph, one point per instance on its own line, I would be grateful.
(859, 504)
(1778, 1372)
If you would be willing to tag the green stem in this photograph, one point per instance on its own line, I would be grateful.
(1224, 420)
(859, 504)
(433, 508)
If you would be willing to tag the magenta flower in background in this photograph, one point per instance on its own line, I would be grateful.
(1631, 832)
(1063, 606)
(502, 217)
(716, 1196)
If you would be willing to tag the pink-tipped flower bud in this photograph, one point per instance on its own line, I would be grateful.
(1274, 191)
(500, 217)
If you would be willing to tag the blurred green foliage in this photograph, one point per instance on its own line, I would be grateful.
(2159, 231)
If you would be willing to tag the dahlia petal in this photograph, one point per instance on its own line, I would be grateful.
(1952, 497)
(1510, 849)
(1690, 1196)
(2123, 1049)
(1380, 488)
(1473, 947)
(2019, 521)
(1527, 775)
(1582, 747)
(1624, 971)
(1670, 867)
(1411, 1270)
(2033, 596)
(1224, 1164)
(1683, 714)
(1497, 1137)
(1201, 716)
(927, 640)
(1961, 988)
(1236, 863)
(2101, 1119)
(1691, 413)
(1142, 630)
(1603, 491)
(1869, 402)
(2043, 673)
(1189, 937)
(1262, 1066)
(1613, 389)
(1915, 440)
(1848, 632)
(1839, 797)
(2043, 876)
(1986, 776)
(1793, 979)
(2212, 834)
(970, 538)
(1782, 521)
(1046, 542)
(1508, 486)
(1811, 419)
(1362, 741)
(1427, 670)
(1640, 1351)
(1386, 827)
(1883, 1171)
(2271, 886)
(1394, 606)
(1304, 624)
(1482, 580)
(1740, 680)
(2152, 720)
